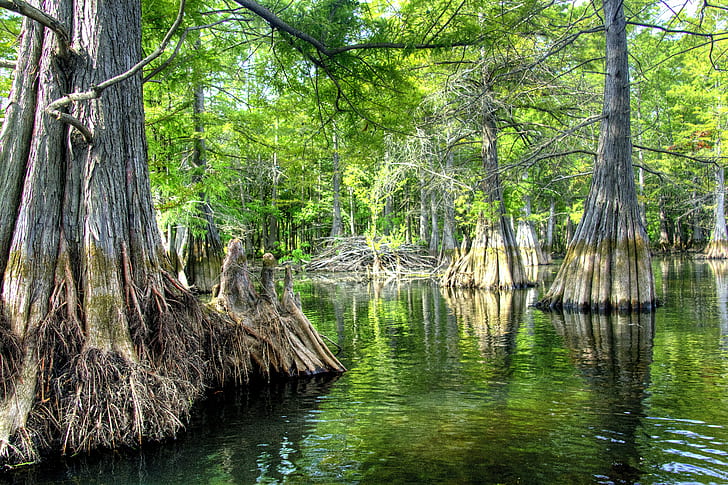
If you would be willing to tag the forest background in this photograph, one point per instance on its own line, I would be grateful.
(261, 137)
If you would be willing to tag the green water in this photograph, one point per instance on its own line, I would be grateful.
(472, 387)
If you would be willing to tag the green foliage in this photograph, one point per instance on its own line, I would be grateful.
(406, 122)
(297, 257)
(9, 31)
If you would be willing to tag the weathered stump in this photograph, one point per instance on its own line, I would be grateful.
(295, 348)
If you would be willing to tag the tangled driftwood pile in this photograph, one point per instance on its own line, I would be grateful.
(374, 258)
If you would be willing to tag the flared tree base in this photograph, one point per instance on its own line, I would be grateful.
(716, 249)
(64, 394)
(606, 277)
(492, 263)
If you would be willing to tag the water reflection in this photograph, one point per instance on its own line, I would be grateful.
(720, 270)
(473, 387)
(493, 318)
(227, 446)
(613, 353)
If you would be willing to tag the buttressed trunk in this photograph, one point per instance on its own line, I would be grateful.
(99, 345)
(494, 261)
(608, 264)
(717, 248)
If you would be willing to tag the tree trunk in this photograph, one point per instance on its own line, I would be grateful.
(568, 233)
(387, 215)
(204, 248)
(697, 239)
(527, 240)
(337, 226)
(448, 221)
(177, 242)
(434, 225)
(205, 254)
(608, 263)
(664, 243)
(718, 246)
(352, 213)
(493, 261)
(549, 239)
(424, 212)
(100, 346)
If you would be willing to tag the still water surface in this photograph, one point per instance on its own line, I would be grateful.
(470, 387)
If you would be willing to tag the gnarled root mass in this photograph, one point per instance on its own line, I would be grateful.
(289, 342)
(61, 393)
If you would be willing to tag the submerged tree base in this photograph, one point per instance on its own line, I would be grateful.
(60, 394)
(492, 263)
(716, 249)
(604, 277)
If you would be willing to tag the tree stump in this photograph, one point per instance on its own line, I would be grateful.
(295, 348)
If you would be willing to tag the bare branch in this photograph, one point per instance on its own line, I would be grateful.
(53, 108)
(27, 10)
(158, 52)
(707, 161)
(667, 30)
(75, 122)
(7, 64)
(169, 60)
(649, 170)
(278, 24)
(707, 4)
(181, 40)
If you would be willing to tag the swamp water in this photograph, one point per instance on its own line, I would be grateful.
(469, 387)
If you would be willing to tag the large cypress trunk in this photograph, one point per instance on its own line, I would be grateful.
(493, 261)
(718, 246)
(608, 263)
(99, 344)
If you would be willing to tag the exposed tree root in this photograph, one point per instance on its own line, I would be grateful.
(108, 401)
(289, 342)
(76, 397)
(10, 355)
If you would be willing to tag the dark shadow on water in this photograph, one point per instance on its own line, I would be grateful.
(212, 450)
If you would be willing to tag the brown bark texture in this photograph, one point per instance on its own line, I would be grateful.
(493, 261)
(100, 346)
(717, 247)
(607, 266)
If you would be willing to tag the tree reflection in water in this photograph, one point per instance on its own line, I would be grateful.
(720, 270)
(493, 317)
(613, 353)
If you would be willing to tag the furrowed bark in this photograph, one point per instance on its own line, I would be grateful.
(494, 261)
(99, 345)
(607, 266)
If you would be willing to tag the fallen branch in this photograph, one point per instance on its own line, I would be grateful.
(375, 258)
